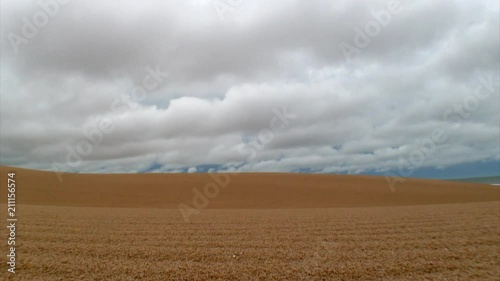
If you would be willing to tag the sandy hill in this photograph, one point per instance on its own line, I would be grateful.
(246, 190)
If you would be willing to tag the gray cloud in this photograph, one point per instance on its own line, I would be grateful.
(227, 76)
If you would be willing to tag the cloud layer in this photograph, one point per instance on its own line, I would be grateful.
(126, 86)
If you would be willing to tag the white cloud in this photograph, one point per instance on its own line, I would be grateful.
(226, 77)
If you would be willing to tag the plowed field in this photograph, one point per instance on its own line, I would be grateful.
(425, 241)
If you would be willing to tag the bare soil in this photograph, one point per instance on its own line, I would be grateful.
(260, 227)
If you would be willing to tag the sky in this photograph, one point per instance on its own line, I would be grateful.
(400, 88)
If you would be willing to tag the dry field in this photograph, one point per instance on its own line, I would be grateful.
(446, 231)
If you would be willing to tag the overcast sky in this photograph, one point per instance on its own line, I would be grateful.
(313, 86)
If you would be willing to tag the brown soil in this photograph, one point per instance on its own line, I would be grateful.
(259, 227)
(246, 190)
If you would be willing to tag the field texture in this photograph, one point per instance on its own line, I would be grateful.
(440, 242)
(370, 239)
(236, 191)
